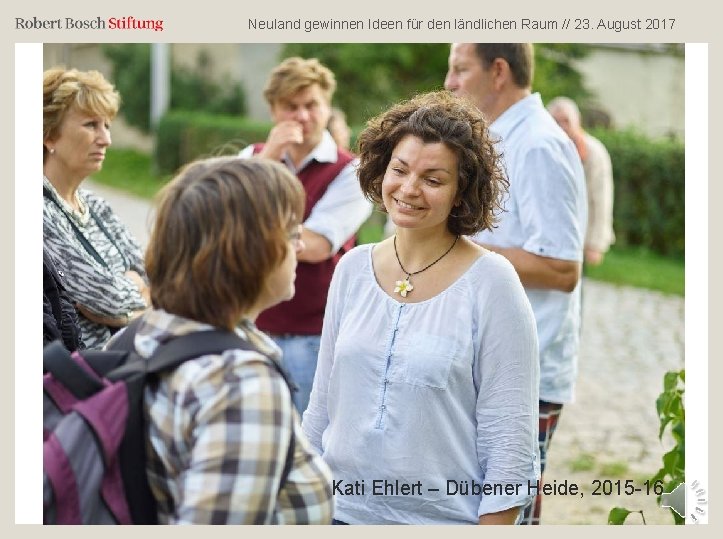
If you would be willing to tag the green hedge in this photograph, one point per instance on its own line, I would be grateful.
(649, 176)
(184, 136)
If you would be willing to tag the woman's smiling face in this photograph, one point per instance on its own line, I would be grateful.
(420, 184)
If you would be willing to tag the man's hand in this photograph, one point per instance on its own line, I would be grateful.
(282, 135)
(316, 247)
(593, 257)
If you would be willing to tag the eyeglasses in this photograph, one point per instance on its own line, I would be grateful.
(295, 237)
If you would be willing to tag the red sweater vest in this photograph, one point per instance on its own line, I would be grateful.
(304, 313)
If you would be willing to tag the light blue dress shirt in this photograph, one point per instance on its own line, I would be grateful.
(546, 214)
(429, 395)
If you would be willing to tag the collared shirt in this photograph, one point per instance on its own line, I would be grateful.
(342, 209)
(546, 214)
(219, 431)
(438, 393)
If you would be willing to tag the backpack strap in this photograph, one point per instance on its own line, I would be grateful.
(193, 345)
(78, 234)
(57, 361)
(178, 350)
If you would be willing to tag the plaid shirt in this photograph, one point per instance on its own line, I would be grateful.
(219, 436)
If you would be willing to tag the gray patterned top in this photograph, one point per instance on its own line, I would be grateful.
(104, 290)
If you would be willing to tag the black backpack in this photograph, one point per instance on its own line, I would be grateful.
(94, 431)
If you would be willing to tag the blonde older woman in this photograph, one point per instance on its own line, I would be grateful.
(100, 261)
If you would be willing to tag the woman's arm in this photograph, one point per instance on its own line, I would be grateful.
(316, 416)
(507, 371)
(125, 241)
(96, 287)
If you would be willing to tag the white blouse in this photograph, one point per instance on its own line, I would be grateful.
(428, 394)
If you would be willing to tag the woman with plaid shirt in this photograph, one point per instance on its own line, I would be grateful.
(222, 250)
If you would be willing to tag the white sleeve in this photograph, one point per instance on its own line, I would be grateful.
(341, 210)
(247, 152)
(508, 375)
(553, 203)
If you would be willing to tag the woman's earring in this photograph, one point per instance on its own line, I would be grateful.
(51, 150)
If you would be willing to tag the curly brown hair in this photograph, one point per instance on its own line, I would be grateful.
(221, 229)
(455, 122)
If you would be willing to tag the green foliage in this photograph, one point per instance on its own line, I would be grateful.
(619, 514)
(555, 73)
(130, 171)
(131, 73)
(649, 206)
(192, 90)
(372, 230)
(184, 136)
(671, 414)
(372, 76)
(638, 266)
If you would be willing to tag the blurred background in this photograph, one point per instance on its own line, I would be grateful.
(183, 101)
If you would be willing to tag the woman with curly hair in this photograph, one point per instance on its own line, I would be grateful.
(425, 396)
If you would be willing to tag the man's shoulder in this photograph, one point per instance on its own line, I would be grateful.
(536, 135)
(594, 145)
(540, 124)
(534, 128)
(341, 166)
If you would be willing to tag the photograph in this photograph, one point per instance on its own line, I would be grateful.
(365, 283)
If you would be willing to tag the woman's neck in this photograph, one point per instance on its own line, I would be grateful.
(418, 247)
(65, 184)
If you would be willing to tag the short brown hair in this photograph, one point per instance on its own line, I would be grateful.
(454, 121)
(519, 56)
(63, 88)
(221, 228)
(295, 74)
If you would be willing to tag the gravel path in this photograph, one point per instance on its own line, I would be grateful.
(630, 338)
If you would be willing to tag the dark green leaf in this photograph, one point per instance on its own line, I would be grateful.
(618, 515)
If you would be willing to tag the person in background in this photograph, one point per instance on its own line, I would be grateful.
(428, 368)
(299, 93)
(542, 228)
(223, 248)
(101, 262)
(339, 129)
(598, 178)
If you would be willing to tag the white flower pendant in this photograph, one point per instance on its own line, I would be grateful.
(404, 287)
